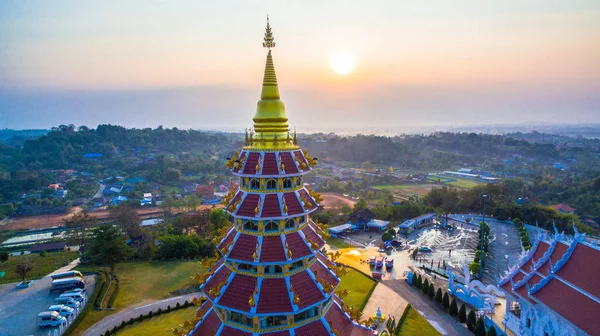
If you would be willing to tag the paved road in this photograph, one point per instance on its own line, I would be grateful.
(126, 314)
(439, 319)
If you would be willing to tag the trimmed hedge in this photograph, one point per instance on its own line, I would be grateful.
(113, 296)
(403, 317)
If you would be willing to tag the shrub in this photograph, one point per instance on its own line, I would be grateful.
(177, 306)
(438, 296)
(425, 286)
(462, 313)
(453, 308)
(480, 328)
(446, 301)
(107, 333)
(130, 321)
(159, 311)
(168, 308)
(186, 304)
(4, 256)
(43, 253)
(141, 317)
(491, 332)
(431, 291)
(114, 330)
(471, 320)
(151, 313)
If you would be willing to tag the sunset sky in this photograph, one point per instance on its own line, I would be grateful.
(199, 64)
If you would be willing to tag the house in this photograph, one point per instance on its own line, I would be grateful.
(48, 247)
(563, 208)
(53, 186)
(92, 155)
(206, 190)
(365, 220)
(417, 222)
(119, 199)
(61, 193)
(340, 230)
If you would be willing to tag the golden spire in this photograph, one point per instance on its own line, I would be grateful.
(270, 120)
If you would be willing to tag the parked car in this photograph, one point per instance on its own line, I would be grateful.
(50, 319)
(67, 301)
(76, 296)
(62, 310)
(77, 290)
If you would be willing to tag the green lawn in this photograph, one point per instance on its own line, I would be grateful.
(337, 242)
(144, 282)
(415, 324)
(358, 286)
(160, 325)
(464, 183)
(42, 266)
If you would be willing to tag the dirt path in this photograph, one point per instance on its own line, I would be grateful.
(132, 312)
(336, 200)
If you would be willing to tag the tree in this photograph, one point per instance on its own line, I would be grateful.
(4, 256)
(108, 246)
(474, 267)
(453, 307)
(480, 327)
(425, 287)
(386, 236)
(23, 268)
(438, 296)
(415, 253)
(471, 320)
(491, 332)
(128, 218)
(43, 253)
(446, 301)
(462, 313)
(360, 204)
(418, 282)
(431, 291)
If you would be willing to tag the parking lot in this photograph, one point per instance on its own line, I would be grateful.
(19, 307)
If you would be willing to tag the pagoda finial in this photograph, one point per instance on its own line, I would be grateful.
(269, 40)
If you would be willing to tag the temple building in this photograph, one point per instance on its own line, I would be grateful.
(555, 288)
(272, 278)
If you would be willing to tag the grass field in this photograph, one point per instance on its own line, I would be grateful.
(160, 325)
(358, 286)
(42, 266)
(337, 242)
(140, 283)
(407, 190)
(464, 183)
(415, 324)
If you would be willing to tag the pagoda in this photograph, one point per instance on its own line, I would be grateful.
(272, 278)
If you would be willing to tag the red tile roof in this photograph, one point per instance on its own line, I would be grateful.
(300, 156)
(338, 320)
(244, 248)
(571, 304)
(293, 204)
(557, 253)
(220, 275)
(562, 208)
(209, 325)
(310, 204)
(229, 331)
(537, 255)
(274, 297)
(228, 238)
(297, 245)
(288, 163)
(582, 270)
(272, 249)
(324, 259)
(203, 309)
(271, 207)
(306, 289)
(238, 292)
(237, 197)
(248, 205)
(323, 273)
(312, 236)
(315, 328)
(250, 164)
(270, 165)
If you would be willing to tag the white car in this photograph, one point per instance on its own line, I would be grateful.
(62, 310)
(50, 319)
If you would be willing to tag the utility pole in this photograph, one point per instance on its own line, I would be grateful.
(484, 197)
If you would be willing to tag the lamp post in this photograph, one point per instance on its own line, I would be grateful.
(484, 197)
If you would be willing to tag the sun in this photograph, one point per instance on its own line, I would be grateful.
(343, 63)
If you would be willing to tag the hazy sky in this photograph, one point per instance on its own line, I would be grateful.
(199, 64)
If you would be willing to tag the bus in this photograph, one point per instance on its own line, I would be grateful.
(69, 274)
(67, 283)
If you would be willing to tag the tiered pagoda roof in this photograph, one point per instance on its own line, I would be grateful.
(561, 274)
(272, 278)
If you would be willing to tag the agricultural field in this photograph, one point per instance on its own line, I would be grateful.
(407, 190)
(42, 266)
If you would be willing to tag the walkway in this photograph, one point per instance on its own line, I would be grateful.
(126, 314)
(384, 297)
(439, 319)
